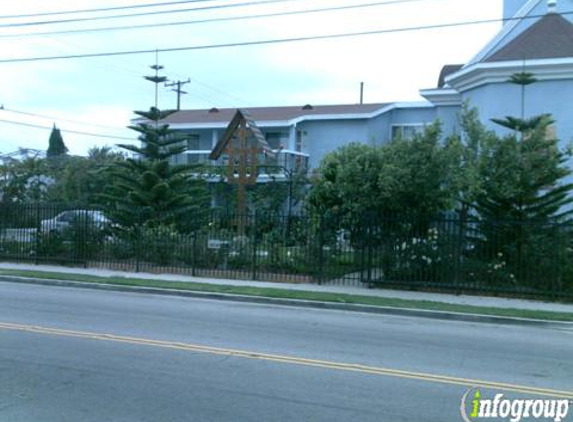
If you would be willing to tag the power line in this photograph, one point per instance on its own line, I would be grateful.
(131, 15)
(271, 41)
(138, 73)
(103, 9)
(115, 68)
(222, 19)
(77, 132)
(42, 116)
(220, 91)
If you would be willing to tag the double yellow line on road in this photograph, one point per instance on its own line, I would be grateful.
(364, 369)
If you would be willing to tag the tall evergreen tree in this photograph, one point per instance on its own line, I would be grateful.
(148, 184)
(520, 124)
(521, 193)
(56, 146)
(523, 177)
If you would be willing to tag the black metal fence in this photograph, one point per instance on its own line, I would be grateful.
(453, 254)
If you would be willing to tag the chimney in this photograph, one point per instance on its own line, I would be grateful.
(361, 93)
(552, 6)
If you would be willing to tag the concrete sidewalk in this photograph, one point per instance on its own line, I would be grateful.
(494, 302)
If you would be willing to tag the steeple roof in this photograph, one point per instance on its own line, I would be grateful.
(549, 38)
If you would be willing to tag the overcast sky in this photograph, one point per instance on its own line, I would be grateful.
(97, 95)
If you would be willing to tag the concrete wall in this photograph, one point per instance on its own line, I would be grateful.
(324, 136)
(449, 117)
(412, 116)
(379, 129)
(504, 99)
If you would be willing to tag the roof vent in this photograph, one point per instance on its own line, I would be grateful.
(214, 110)
(307, 107)
(552, 6)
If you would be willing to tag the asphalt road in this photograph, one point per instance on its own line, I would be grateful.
(74, 355)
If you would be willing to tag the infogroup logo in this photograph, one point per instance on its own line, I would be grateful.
(475, 408)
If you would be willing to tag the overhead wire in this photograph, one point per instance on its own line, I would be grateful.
(132, 15)
(53, 118)
(102, 9)
(212, 20)
(77, 132)
(271, 41)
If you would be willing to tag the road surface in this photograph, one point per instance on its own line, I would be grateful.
(75, 355)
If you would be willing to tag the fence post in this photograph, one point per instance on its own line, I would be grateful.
(85, 239)
(38, 234)
(369, 244)
(556, 279)
(320, 251)
(254, 247)
(137, 242)
(362, 231)
(193, 253)
(458, 250)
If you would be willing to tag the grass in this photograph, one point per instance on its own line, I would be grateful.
(296, 294)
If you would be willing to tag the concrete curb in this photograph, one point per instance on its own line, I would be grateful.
(303, 303)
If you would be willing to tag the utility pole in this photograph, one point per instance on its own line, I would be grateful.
(178, 90)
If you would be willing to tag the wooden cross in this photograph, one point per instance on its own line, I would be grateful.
(243, 161)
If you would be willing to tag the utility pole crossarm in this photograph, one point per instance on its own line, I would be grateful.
(178, 90)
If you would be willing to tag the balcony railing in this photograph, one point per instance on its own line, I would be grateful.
(284, 164)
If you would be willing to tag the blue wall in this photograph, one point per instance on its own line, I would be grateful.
(449, 117)
(504, 99)
(324, 136)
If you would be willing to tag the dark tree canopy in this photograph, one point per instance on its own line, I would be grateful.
(56, 146)
(403, 176)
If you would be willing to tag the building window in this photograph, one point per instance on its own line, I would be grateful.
(277, 140)
(193, 142)
(406, 131)
(299, 140)
(178, 159)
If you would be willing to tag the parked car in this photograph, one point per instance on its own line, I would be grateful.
(62, 221)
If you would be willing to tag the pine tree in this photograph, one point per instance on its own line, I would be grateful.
(523, 195)
(521, 124)
(522, 178)
(148, 188)
(56, 146)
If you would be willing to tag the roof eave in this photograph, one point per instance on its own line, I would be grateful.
(310, 117)
(498, 72)
(442, 96)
